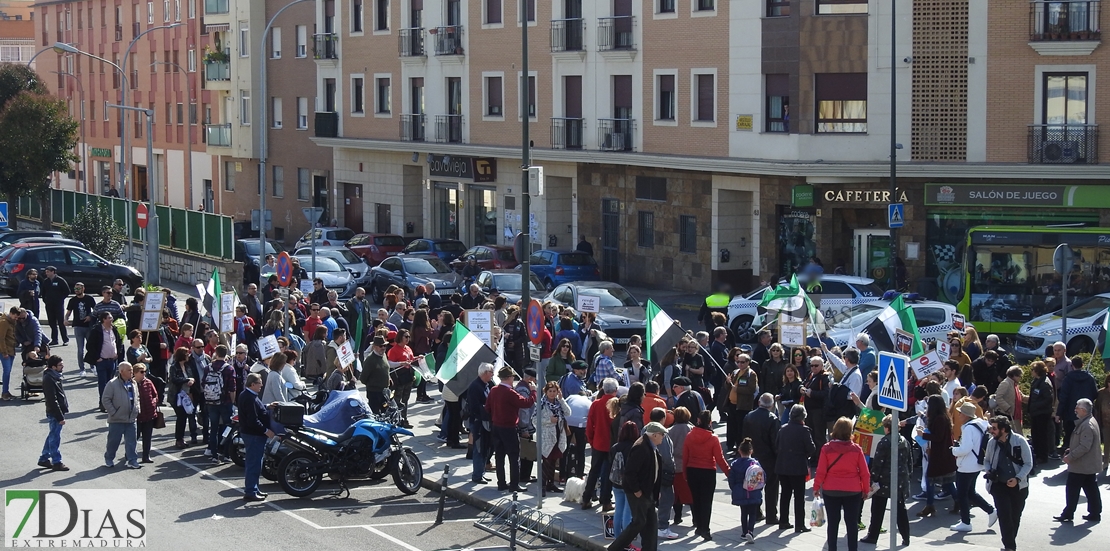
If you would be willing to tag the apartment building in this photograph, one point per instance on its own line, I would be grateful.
(17, 40)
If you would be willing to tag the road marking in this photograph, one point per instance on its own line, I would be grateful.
(391, 538)
(408, 523)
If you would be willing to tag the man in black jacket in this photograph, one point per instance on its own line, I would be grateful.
(686, 396)
(641, 488)
(476, 395)
(54, 293)
(57, 406)
(254, 426)
(762, 426)
(103, 350)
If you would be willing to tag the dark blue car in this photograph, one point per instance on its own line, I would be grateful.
(446, 249)
(555, 267)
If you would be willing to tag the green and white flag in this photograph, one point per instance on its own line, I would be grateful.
(897, 316)
(662, 333)
(792, 301)
(465, 353)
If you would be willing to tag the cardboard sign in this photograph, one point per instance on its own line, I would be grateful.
(151, 321)
(944, 350)
(227, 303)
(306, 287)
(926, 364)
(346, 354)
(792, 334)
(589, 303)
(959, 322)
(227, 322)
(480, 321)
(155, 301)
(268, 346)
(903, 342)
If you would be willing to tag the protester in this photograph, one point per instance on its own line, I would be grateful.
(219, 395)
(618, 456)
(375, 374)
(1084, 462)
(503, 405)
(551, 420)
(816, 391)
(686, 397)
(761, 429)
(401, 360)
(1008, 462)
(678, 433)
(479, 418)
(254, 427)
(184, 392)
(148, 408)
(1042, 406)
(1009, 398)
(641, 486)
(745, 384)
(7, 349)
(525, 429)
(748, 500)
(700, 461)
(843, 481)
(881, 468)
(1076, 385)
(968, 467)
(1102, 415)
(104, 350)
(794, 450)
(57, 406)
(942, 464)
(121, 400)
(600, 439)
(314, 357)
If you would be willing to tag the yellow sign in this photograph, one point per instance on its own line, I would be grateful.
(744, 122)
(238, 166)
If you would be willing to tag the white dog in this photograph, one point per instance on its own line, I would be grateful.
(574, 489)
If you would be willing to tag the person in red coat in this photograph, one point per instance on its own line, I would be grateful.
(701, 455)
(599, 435)
(843, 481)
(148, 408)
(504, 405)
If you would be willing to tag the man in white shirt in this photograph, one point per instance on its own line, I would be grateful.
(969, 463)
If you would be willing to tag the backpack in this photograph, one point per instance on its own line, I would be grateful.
(213, 384)
(754, 477)
(616, 469)
(983, 440)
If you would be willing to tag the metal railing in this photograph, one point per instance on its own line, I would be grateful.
(218, 135)
(449, 40)
(217, 70)
(216, 7)
(615, 33)
(325, 46)
(567, 35)
(327, 124)
(449, 128)
(412, 128)
(411, 42)
(1063, 144)
(566, 133)
(615, 134)
(1065, 21)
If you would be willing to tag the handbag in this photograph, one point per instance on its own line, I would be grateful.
(159, 420)
(817, 513)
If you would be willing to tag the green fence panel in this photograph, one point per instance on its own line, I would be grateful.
(196, 231)
(228, 237)
(179, 233)
(213, 245)
(165, 224)
(57, 206)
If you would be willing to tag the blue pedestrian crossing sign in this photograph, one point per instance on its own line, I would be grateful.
(896, 215)
(893, 381)
(4, 214)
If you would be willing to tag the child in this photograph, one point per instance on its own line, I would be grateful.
(186, 338)
(738, 480)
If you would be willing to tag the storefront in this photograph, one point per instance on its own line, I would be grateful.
(463, 199)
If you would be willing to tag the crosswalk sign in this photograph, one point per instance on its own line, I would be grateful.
(4, 214)
(893, 381)
(896, 215)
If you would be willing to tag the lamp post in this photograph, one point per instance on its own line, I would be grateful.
(152, 272)
(263, 132)
(188, 134)
(894, 147)
(84, 143)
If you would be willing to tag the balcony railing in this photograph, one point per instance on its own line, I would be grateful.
(216, 7)
(615, 33)
(567, 35)
(412, 128)
(218, 135)
(615, 134)
(325, 46)
(327, 124)
(411, 42)
(1064, 21)
(448, 40)
(449, 128)
(217, 70)
(566, 133)
(1063, 144)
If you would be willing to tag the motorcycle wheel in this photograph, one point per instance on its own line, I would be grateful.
(235, 449)
(383, 472)
(270, 469)
(407, 471)
(292, 477)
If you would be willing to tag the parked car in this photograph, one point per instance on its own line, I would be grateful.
(9, 237)
(349, 260)
(838, 295)
(446, 249)
(621, 315)
(1085, 319)
(489, 257)
(934, 320)
(376, 247)
(507, 282)
(74, 264)
(52, 240)
(558, 266)
(335, 277)
(327, 236)
(246, 251)
(408, 271)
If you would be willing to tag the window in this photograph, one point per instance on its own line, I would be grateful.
(302, 183)
(356, 16)
(650, 188)
(166, 11)
(493, 12)
(275, 111)
(229, 176)
(666, 6)
(275, 43)
(192, 113)
(180, 114)
(302, 113)
(778, 8)
(191, 60)
(244, 39)
(279, 181)
(703, 5)
(381, 15)
(666, 87)
(192, 9)
(688, 234)
(842, 102)
(840, 7)
(106, 111)
(245, 107)
(357, 97)
(150, 13)
(493, 97)
(531, 105)
(704, 95)
(1065, 99)
(531, 11)
(646, 236)
(302, 40)
(384, 101)
(778, 103)
(177, 10)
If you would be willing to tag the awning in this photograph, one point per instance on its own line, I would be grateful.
(217, 27)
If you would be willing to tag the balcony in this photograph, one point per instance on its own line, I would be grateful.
(567, 35)
(327, 124)
(1062, 144)
(615, 134)
(325, 46)
(1065, 28)
(216, 7)
(218, 135)
(217, 70)
(411, 42)
(412, 128)
(448, 40)
(566, 133)
(614, 34)
(449, 128)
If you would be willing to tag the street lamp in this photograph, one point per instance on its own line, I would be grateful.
(188, 133)
(84, 143)
(152, 272)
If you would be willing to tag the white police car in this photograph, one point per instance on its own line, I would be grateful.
(835, 294)
(934, 320)
(1085, 318)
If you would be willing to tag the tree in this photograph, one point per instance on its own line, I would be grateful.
(96, 228)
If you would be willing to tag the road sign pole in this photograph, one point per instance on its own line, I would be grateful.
(894, 494)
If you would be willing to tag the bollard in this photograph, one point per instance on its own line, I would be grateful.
(512, 524)
(442, 493)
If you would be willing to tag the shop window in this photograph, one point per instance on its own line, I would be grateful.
(688, 234)
(841, 7)
(778, 103)
(842, 103)
(646, 237)
(651, 188)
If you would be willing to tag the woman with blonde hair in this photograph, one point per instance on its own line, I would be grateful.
(972, 346)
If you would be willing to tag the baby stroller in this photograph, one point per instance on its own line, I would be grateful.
(33, 369)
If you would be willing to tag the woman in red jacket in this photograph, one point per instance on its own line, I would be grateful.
(843, 481)
(701, 455)
(148, 408)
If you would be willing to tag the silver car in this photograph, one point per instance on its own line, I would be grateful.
(621, 314)
(335, 277)
(349, 260)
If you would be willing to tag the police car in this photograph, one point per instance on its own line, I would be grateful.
(1085, 319)
(833, 295)
(934, 320)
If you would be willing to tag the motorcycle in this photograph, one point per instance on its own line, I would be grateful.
(232, 441)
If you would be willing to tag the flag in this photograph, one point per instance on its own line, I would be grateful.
(662, 332)
(360, 329)
(896, 316)
(211, 299)
(792, 301)
(464, 354)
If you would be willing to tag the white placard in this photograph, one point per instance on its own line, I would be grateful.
(484, 336)
(227, 303)
(792, 334)
(268, 346)
(959, 322)
(589, 303)
(944, 350)
(227, 322)
(151, 321)
(533, 352)
(926, 365)
(306, 287)
(155, 301)
(346, 354)
(480, 321)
